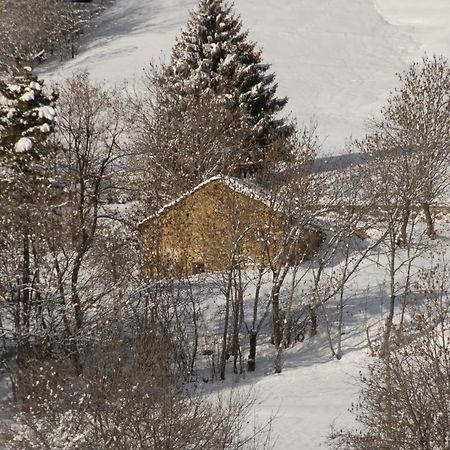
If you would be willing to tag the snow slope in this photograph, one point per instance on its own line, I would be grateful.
(314, 392)
(335, 59)
(308, 400)
(426, 22)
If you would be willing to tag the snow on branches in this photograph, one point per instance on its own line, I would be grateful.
(27, 117)
(214, 57)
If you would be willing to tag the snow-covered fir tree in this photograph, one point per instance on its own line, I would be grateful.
(213, 56)
(27, 117)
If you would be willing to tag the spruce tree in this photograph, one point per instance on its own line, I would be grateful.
(214, 57)
(27, 117)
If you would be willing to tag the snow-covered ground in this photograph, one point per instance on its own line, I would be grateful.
(310, 397)
(426, 22)
(335, 59)
(315, 392)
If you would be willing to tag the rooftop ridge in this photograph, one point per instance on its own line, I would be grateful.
(236, 184)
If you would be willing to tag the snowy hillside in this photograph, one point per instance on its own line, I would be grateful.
(335, 59)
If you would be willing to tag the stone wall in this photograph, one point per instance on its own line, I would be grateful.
(214, 227)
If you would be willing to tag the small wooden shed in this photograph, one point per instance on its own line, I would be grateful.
(218, 223)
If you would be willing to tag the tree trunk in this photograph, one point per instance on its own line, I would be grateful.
(251, 364)
(76, 303)
(385, 346)
(78, 313)
(283, 344)
(338, 353)
(24, 307)
(26, 286)
(195, 349)
(313, 317)
(235, 348)
(223, 355)
(276, 332)
(405, 220)
(429, 221)
(278, 365)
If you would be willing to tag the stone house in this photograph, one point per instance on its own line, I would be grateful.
(221, 222)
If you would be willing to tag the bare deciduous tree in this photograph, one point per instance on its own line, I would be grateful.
(129, 396)
(91, 135)
(32, 30)
(185, 142)
(404, 402)
(411, 140)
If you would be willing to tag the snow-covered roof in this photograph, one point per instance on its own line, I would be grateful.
(242, 186)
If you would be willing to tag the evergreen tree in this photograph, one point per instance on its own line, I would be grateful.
(214, 57)
(27, 117)
(186, 141)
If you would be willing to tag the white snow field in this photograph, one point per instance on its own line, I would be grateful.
(335, 59)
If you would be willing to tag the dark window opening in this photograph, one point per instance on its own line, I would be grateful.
(198, 267)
